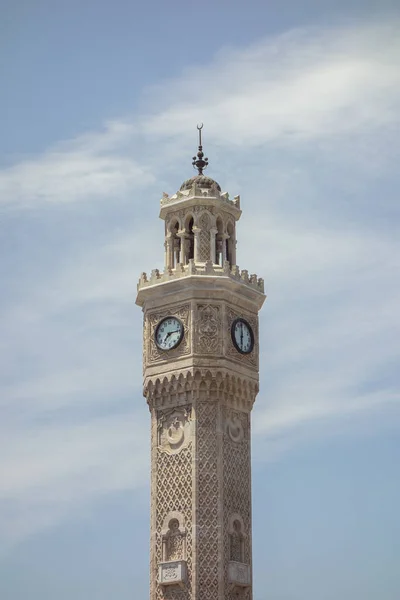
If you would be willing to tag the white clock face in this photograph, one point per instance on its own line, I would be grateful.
(242, 336)
(169, 333)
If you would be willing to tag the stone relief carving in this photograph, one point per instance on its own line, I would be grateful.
(207, 517)
(236, 391)
(208, 326)
(154, 353)
(236, 541)
(204, 222)
(173, 499)
(175, 429)
(174, 550)
(249, 359)
(239, 576)
(172, 573)
(237, 508)
(234, 428)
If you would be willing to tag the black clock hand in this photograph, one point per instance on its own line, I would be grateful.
(241, 335)
(170, 333)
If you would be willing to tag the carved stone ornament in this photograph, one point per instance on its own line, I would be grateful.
(174, 429)
(234, 428)
(172, 573)
(238, 574)
(208, 338)
(154, 353)
(204, 222)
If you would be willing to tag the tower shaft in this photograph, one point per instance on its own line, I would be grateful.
(200, 354)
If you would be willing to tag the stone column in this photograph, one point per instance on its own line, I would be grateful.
(224, 237)
(169, 249)
(213, 233)
(182, 255)
(196, 231)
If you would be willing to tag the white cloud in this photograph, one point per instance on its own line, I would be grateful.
(304, 85)
(51, 472)
(91, 166)
(300, 87)
(329, 327)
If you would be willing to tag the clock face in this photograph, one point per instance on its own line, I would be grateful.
(242, 336)
(169, 333)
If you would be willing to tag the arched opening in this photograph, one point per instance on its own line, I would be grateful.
(237, 542)
(230, 244)
(173, 537)
(174, 541)
(219, 243)
(189, 239)
(176, 244)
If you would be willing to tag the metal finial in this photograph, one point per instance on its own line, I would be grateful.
(200, 162)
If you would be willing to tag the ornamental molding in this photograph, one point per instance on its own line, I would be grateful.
(208, 329)
(198, 195)
(207, 268)
(183, 216)
(206, 385)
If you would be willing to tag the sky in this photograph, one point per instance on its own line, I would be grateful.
(301, 109)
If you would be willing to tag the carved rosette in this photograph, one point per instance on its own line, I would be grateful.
(208, 327)
(250, 359)
(153, 353)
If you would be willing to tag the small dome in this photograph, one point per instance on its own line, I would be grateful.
(202, 181)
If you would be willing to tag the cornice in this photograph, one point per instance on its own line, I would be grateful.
(202, 385)
(206, 274)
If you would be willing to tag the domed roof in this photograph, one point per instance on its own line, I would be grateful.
(200, 162)
(202, 181)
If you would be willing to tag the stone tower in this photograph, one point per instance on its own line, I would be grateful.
(200, 360)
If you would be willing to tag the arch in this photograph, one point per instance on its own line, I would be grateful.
(173, 537)
(219, 241)
(189, 237)
(236, 538)
(230, 243)
(175, 243)
(173, 515)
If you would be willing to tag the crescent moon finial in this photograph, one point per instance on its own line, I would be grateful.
(200, 162)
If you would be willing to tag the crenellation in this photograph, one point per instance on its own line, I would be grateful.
(207, 268)
(198, 192)
(155, 275)
(244, 275)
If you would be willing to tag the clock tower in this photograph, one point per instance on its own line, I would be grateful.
(200, 361)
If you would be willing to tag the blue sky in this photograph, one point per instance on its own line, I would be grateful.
(300, 103)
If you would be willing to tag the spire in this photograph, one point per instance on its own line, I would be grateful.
(199, 162)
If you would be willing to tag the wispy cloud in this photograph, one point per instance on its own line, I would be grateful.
(301, 87)
(93, 165)
(51, 472)
(293, 109)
